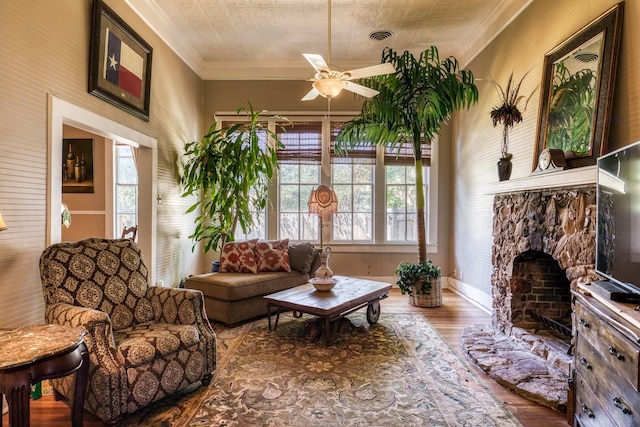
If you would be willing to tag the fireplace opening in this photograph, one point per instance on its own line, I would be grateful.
(540, 295)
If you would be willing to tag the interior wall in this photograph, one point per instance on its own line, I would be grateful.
(284, 97)
(45, 51)
(88, 210)
(521, 48)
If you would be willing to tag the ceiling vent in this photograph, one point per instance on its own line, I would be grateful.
(586, 56)
(380, 35)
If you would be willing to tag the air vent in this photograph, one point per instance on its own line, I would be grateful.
(586, 57)
(380, 35)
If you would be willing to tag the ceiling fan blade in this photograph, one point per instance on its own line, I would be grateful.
(361, 90)
(373, 70)
(316, 61)
(311, 95)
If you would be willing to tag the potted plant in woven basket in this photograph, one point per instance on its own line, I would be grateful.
(421, 281)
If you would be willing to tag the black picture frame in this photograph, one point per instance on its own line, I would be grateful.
(113, 42)
(606, 29)
(80, 179)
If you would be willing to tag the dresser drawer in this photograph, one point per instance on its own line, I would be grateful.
(617, 398)
(612, 349)
(588, 411)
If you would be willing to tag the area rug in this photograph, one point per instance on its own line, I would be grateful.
(398, 372)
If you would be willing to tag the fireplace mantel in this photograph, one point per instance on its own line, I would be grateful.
(567, 178)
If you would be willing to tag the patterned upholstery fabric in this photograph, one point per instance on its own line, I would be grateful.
(273, 255)
(145, 342)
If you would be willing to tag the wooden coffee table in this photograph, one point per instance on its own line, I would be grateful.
(347, 296)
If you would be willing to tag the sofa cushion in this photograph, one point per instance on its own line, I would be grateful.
(239, 257)
(273, 255)
(235, 287)
(301, 256)
(146, 342)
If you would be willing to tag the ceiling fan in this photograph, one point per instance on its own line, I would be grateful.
(329, 82)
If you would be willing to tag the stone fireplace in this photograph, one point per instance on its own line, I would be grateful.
(557, 223)
(543, 246)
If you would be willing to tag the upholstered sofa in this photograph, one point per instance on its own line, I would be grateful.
(145, 342)
(234, 297)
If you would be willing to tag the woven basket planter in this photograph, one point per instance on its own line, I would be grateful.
(432, 299)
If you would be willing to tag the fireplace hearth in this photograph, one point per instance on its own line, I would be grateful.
(543, 246)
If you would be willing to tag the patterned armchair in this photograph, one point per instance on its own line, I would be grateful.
(145, 342)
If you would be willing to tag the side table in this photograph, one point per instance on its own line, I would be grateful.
(34, 353)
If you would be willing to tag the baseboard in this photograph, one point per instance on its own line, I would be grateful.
(480, 299)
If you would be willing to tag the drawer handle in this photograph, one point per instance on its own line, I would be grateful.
(615, 353)
(584, 363)
(587, 411)
(621, 406)
(584, 323)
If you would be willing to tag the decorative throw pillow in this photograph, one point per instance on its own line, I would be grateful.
(239, 257)
(301, 256)
(273, 255)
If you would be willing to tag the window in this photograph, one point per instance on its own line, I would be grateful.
(126, 206)
(375, 187)
(299, 173)
(400, 182)
(352, 177)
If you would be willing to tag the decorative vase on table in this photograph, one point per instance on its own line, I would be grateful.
(324, 272)
(504, 168)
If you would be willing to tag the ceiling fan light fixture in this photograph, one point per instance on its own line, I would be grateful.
(329, 87)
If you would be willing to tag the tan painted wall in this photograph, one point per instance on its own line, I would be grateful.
(44, 47)
(521, 47)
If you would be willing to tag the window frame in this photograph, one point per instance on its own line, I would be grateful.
(378, 243)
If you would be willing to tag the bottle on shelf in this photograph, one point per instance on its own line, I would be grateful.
(83, 168)
(76, 169)
(70, 164)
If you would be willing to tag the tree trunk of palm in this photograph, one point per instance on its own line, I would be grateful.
(422, 232)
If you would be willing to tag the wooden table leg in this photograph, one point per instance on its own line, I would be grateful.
(82, 377)
(18, 394)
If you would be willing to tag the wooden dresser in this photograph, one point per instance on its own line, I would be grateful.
(607, 357)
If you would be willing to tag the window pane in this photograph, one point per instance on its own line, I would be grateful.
(362, 198)
(289, 198)
(396, 199)
(295, 185)
(124, 221)
(289, 173)
(126, 199)
(401, 215)
(354, 190)
(290, 226)
(341, 173)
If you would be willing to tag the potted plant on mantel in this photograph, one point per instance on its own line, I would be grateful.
(411, 107)
(228, 170)
(508, 114)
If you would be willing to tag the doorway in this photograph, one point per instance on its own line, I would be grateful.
(63, 113)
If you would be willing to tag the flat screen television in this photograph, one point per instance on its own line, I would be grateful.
(618, 213)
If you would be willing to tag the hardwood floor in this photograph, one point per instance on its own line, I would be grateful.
(455, 314)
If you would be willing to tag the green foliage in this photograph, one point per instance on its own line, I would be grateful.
(420, 275)
(229, 170)
(413, 104)
(571, 110)
(508, 112)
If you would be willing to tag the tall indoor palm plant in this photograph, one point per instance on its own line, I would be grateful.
(411, 107)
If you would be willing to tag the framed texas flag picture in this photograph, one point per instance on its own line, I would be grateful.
(120, 63)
